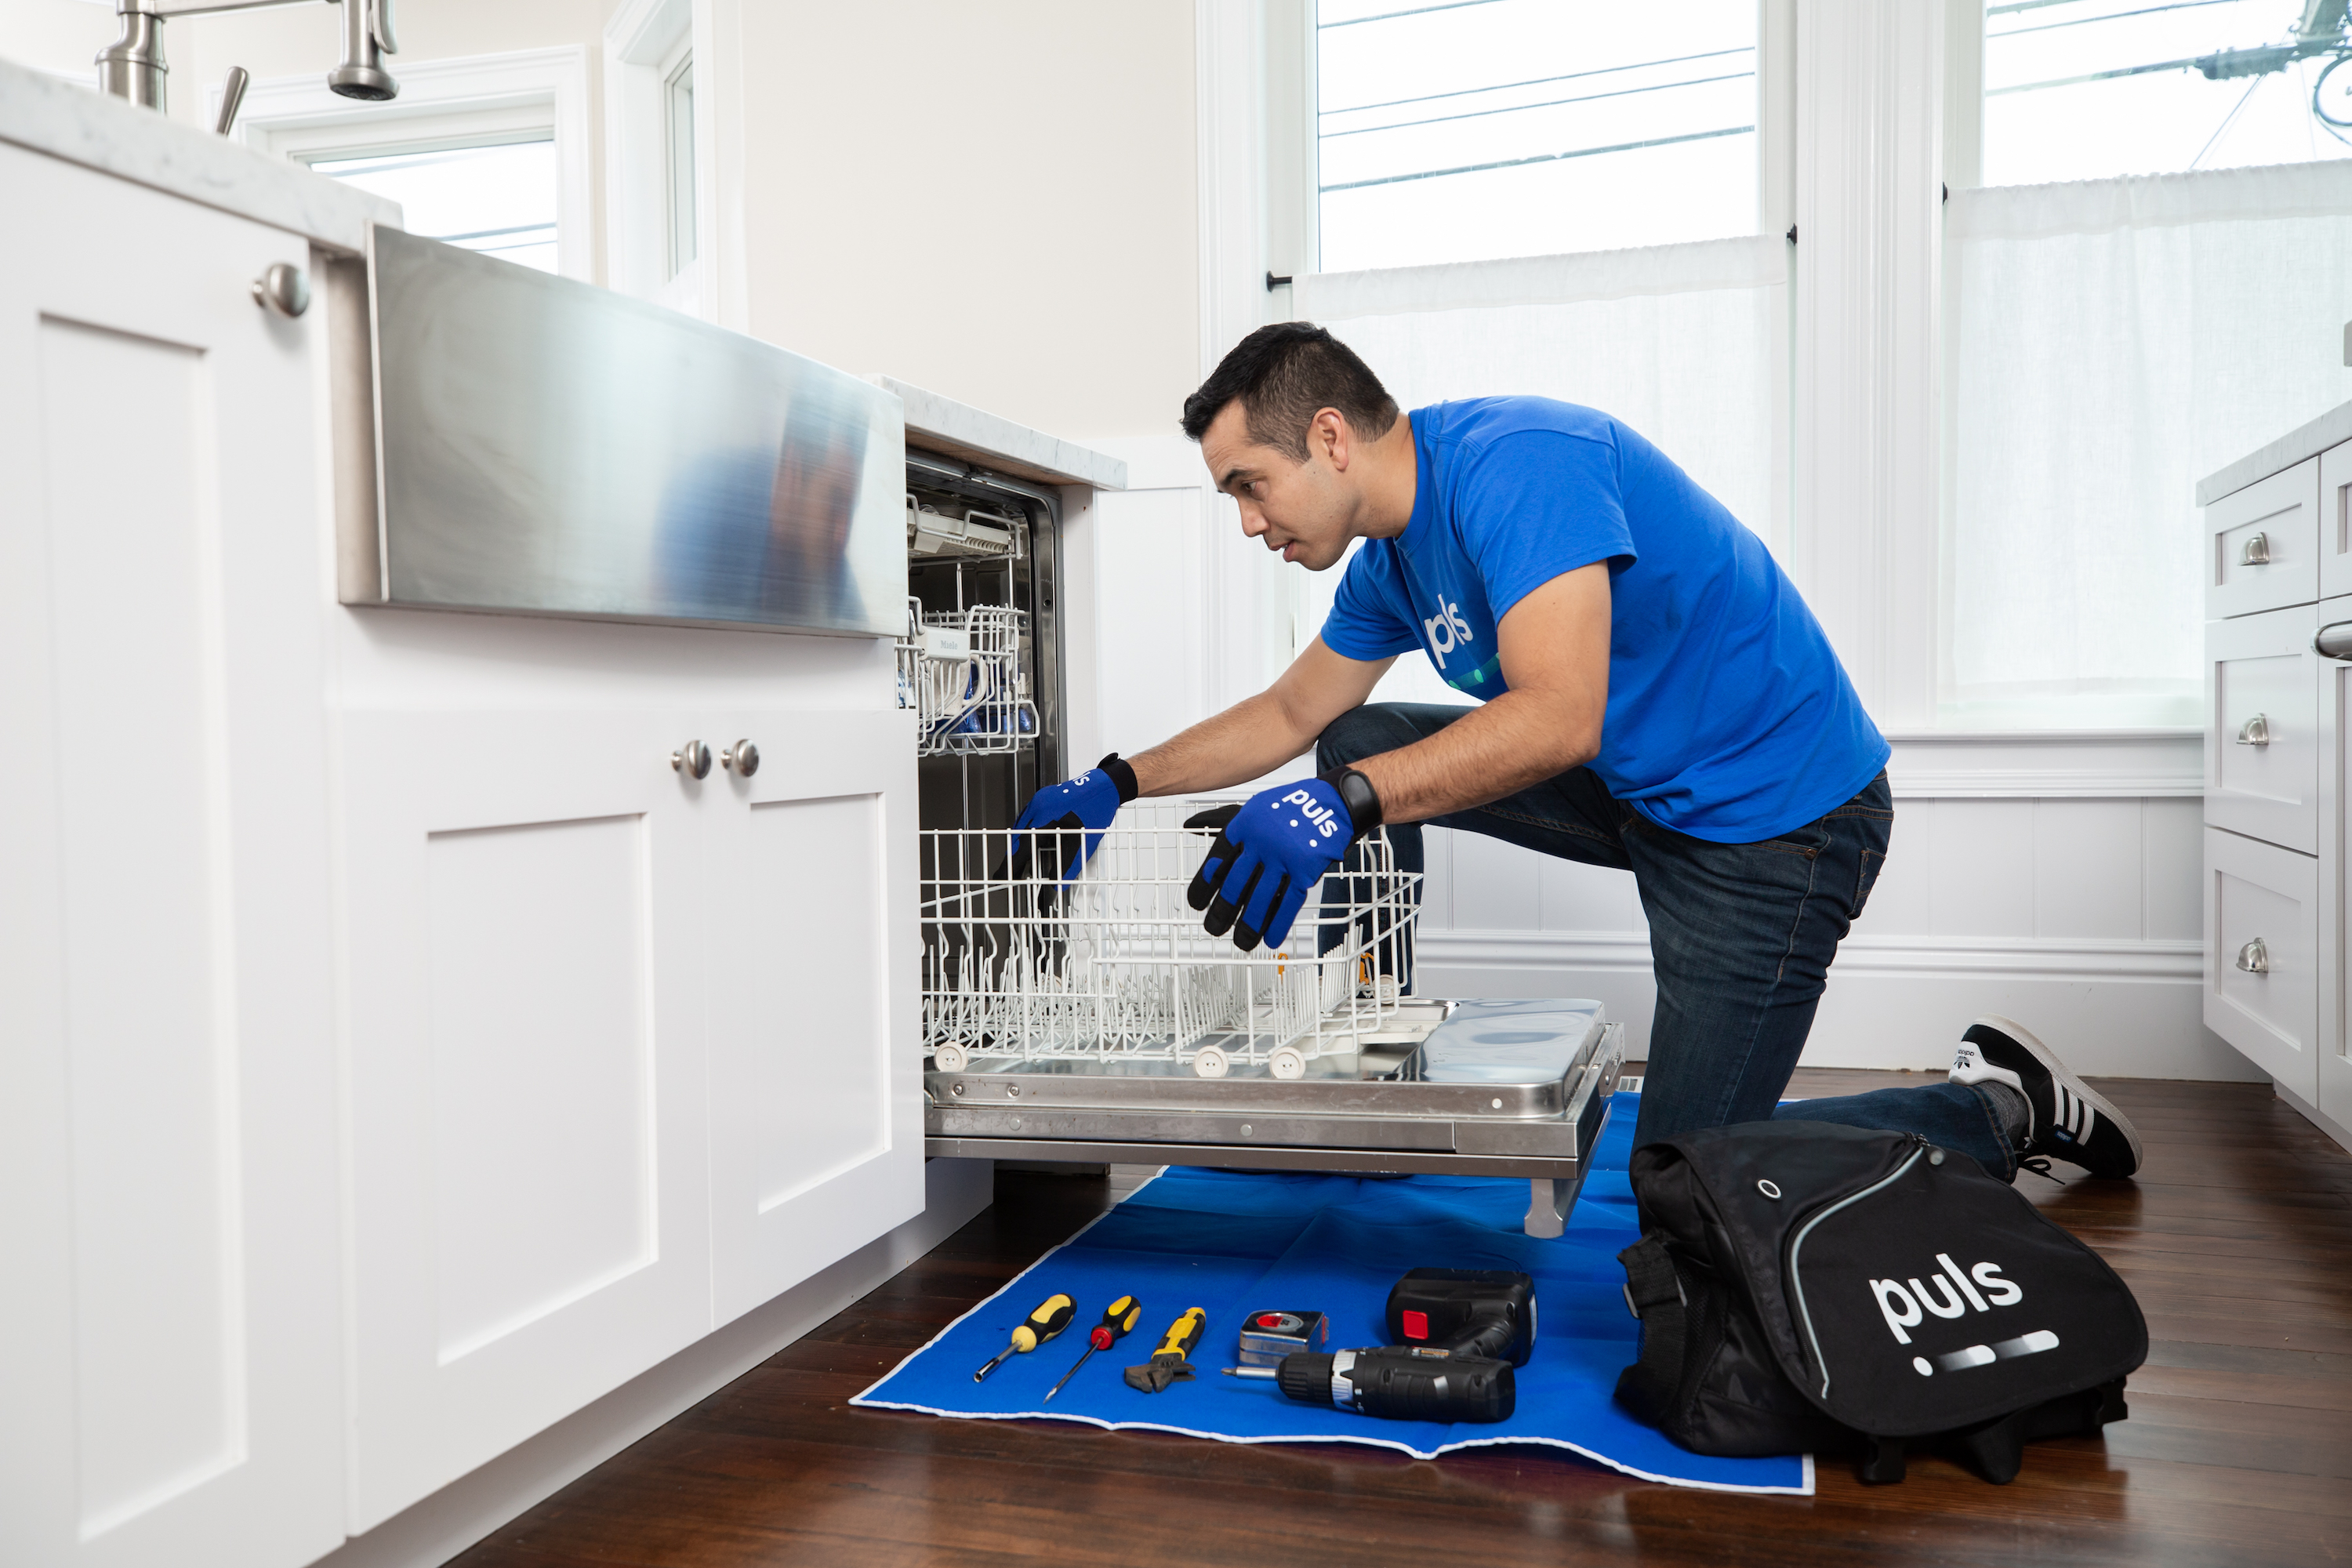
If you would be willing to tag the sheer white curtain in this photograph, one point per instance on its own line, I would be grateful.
(1686, 344)
(2111, 342)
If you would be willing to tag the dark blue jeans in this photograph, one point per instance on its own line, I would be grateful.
(1741, 936)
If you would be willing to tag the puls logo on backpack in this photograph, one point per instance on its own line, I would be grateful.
(1906, 1304)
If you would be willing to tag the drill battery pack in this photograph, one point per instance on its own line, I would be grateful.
(1477, 1311)
(1268, 1336)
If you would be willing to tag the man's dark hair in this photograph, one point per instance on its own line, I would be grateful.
(1285, 374)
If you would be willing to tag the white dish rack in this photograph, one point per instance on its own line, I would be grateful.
(1116, 967)
(961, 671)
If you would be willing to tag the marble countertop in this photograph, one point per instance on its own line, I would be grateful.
(46, 115)
(941, 424)
(2331, 428)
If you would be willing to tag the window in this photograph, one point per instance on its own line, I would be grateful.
(1503, 127)
(680, 101)
(654, 212)
(2079, 90)
(498, 198)
(2113, 338)
(489, 151)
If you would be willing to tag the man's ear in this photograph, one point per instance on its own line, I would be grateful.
(1328, 433)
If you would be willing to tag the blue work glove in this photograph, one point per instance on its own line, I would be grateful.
(1270, 854)
(1061, 825)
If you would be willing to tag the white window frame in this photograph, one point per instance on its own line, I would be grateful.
(476, 100)
(645, 44)
(1294, 202)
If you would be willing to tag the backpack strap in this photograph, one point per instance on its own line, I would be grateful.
(1654, 1294)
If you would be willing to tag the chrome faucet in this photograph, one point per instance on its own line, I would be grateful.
(132, 65)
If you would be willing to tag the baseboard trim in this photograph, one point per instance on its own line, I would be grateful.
(430, 1532)
(2023, 958)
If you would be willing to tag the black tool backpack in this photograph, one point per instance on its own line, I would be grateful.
(1805, 1288)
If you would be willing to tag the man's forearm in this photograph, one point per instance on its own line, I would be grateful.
(1496, 750)
(1234, 747)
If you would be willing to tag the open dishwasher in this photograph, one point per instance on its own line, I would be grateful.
(1098, 1021)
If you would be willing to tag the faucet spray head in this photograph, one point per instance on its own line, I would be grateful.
(367, 38)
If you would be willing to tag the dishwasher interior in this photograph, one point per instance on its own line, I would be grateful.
(1098, 1021)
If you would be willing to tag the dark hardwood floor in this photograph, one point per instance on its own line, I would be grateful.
(2237, 1239)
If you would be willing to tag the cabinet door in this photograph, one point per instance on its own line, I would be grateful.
(528, 1182)
(2261, 957)
(2262, 544)
(170, 1328)
(2335, 1064)
(816, 1070)
(2261, 706)
(2335, 523)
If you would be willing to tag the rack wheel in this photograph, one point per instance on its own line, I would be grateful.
(1287, 1063)
(1209, 1062)
(949, 1059)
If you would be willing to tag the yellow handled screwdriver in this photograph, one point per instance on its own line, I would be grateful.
(1052, 1316)
(1117, 1319)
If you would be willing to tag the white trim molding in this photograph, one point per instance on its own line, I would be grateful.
(643, 38)
(1899, 957)
(2111, 1008)
(2046, 765)
(529, 89)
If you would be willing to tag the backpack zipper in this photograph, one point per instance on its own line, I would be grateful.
(1797, 1281)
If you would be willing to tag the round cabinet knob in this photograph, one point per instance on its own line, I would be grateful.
(283, 291)
(693, 759)
(742, 758)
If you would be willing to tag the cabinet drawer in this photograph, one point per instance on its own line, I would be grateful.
(2334, 521)
(2261, 545)
(2262, 949)
(2261, 745)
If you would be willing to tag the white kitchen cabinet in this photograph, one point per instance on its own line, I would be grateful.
(2261, 545)
(630, 1052)
(526, 913)
(2261, 956)
(170, 1388)
(2261, 752)
(2333, 1067)
(2336, 522)
(2278, 763)
(815, 1045)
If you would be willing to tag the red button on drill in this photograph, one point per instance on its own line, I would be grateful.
(1269, 1319)
(1416, 1325)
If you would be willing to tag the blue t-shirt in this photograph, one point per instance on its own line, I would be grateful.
(1730, 717)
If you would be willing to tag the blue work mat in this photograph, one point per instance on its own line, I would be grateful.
(1235, 1243)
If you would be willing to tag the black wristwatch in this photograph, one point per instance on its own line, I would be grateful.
(1356, 793)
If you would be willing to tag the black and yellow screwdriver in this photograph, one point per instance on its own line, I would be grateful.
(1117, 1318)
(1052, 1316)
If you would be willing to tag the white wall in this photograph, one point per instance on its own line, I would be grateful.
(995, 202)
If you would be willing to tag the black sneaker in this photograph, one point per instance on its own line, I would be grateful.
(2066, 1119)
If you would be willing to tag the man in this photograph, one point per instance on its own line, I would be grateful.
(1656, 697)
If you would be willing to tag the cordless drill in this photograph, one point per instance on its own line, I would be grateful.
(1456, 1334)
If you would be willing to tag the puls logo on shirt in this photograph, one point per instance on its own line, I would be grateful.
(1449, 625)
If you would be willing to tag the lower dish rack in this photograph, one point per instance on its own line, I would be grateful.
(1098, 1021)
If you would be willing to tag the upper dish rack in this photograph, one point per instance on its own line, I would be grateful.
(962, 673)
